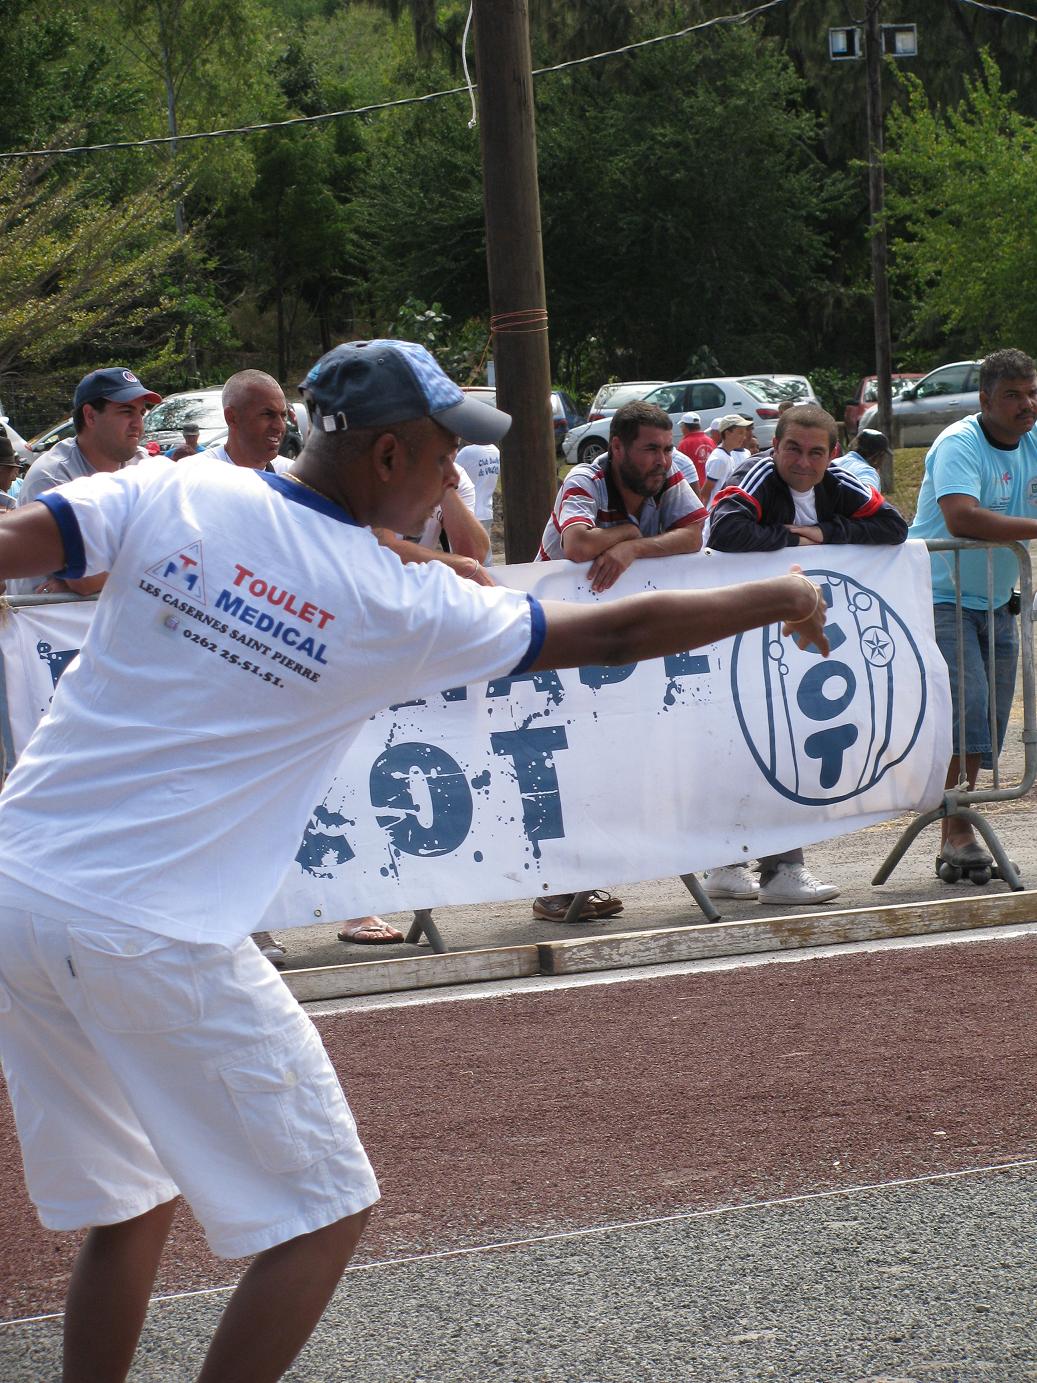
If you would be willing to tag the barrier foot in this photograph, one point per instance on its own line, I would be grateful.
(423, 926)
(576, 906)
(702, 898)
(906, 840)
(1005, 867)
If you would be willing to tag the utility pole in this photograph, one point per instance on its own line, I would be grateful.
(515, 266)
(877, 201)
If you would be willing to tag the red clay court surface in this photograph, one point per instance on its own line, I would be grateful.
(503, 1117)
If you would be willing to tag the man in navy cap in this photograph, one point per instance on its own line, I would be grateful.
(250, 625)
(108, 411)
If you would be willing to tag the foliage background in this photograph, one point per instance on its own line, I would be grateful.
(704, 201)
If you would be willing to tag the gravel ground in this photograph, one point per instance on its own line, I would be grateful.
(878, 1286)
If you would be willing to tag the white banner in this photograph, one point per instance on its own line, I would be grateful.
(596, 777)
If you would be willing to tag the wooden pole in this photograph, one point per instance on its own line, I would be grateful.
(876, 199)
(515, 265)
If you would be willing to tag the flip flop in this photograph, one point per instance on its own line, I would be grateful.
(369, 931)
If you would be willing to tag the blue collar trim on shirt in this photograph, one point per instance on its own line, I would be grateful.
(291, 489)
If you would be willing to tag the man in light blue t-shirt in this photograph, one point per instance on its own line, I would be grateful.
(981, 482)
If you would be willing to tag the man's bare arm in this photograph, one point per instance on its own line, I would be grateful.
(30, 543)
(464, 532)
(651, 625)
(581, 543)
(965, 517)
(407, 551)
(609, 566)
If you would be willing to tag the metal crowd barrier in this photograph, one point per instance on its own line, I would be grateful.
(960, 801)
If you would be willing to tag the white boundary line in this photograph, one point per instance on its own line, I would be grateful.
(683, 1216)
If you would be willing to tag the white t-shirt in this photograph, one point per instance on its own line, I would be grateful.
(720, 465)
(482, 466)
(247, 629)
(429, 535)
(806, 507)
(280, 464)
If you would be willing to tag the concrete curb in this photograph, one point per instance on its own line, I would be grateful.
(662, 946)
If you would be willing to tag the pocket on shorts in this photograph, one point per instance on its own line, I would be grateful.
(289, 1101)
(5, 998)
(136, 982)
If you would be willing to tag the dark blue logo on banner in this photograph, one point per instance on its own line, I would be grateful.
(827, 729)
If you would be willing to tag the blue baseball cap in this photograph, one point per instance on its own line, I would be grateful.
(378, 383)
(115, 383)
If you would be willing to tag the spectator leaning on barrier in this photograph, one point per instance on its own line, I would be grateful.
(794, 498)
(138, 1021)
(108, 411)
(631, 502)
(980, 482)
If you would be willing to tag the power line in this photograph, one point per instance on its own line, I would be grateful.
(233, 131)
(1000, 10)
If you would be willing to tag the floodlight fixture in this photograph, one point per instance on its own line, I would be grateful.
(900, 40)
(844, 45)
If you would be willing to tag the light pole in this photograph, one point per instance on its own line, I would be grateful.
(899, 40)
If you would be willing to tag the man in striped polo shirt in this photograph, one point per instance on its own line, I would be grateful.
(631, 502)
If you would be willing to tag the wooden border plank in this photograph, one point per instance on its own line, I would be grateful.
(412, 972)
(785, 933)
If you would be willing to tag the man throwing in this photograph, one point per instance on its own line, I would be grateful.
(148, 1048)
(981, 482)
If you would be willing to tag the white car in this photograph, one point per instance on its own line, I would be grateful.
(753, 396)
(921, 412)
(612, 396)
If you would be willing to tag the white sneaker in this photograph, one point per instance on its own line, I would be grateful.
(731, 881)
(268, 947)
(794, 883)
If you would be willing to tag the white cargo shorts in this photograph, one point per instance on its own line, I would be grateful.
(141, 1067)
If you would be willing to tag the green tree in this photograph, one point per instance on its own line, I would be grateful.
(73, 269)
(963, 196)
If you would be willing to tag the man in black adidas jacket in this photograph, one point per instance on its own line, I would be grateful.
(793, 498)
(797, 498)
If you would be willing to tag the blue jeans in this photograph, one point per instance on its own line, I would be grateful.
(978, 689)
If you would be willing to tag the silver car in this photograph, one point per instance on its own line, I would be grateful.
(753, 396)
(940, 398)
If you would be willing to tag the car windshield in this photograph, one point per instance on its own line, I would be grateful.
(626, 393)
(871, 390)
(771, 391)
(170, 416)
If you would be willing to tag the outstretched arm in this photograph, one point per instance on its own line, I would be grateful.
(661, 622)
(30, 543)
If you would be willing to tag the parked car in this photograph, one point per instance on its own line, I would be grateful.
(612, 396)
(165, 423)
(924, 409)
(867, 392)
(754, 396)
(43, 441)
(564, 412)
